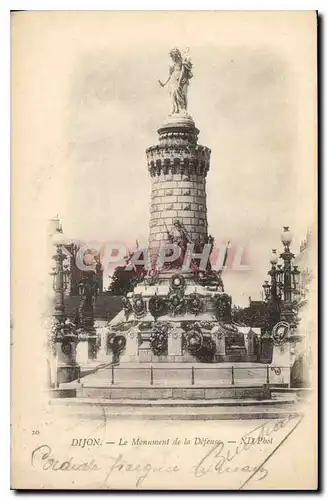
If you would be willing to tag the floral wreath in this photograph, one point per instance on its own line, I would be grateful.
(66, 347)
(280, 333)
(194, 303)
(139, 306)
(177, 282)
(193, 340)
(156, 305)
(62, 329)
(117, 343)
(159, 339)
(176, 303)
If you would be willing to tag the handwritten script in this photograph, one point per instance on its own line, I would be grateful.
(220, 459)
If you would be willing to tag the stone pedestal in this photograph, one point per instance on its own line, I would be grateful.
(131, 350)
(266, 349)
(174, 342)
(219, 339)
(220, 345)
(175, 296)
(249, 343)
(52, 360)
(102, 354)
(67, 367)
(280, 359)
(82, 351)
(92, 347)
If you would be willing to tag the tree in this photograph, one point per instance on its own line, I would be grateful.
(123, 281)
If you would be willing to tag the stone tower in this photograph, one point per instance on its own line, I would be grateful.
(178, 167)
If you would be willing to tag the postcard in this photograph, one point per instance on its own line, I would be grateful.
(164, 250)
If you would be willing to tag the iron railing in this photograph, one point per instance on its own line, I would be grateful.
(232, 379)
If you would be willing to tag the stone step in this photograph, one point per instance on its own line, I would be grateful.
(174, 403)
(94, 409)
(259, 392)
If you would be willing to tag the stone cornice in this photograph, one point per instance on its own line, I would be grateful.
(178, 159)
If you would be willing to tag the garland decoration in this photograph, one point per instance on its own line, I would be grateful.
(159, 339)
(122, 326)
(145, 326)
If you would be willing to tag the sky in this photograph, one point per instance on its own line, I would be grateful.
(91, 88)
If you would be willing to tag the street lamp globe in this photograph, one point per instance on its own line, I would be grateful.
(274, 257)
(286, 236)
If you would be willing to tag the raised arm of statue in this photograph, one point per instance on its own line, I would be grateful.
(171, 70)
(163, 84)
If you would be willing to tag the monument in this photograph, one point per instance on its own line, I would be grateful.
(174, 337)
(179, 312)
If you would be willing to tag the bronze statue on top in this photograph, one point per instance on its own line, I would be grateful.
(179, 76)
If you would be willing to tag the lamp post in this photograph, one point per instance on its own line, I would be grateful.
(60, 274)
(279, 338)
(289, 278)
(287, 256)
(267, 290)
(284, 280)
(272, 291)
(64, 336)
